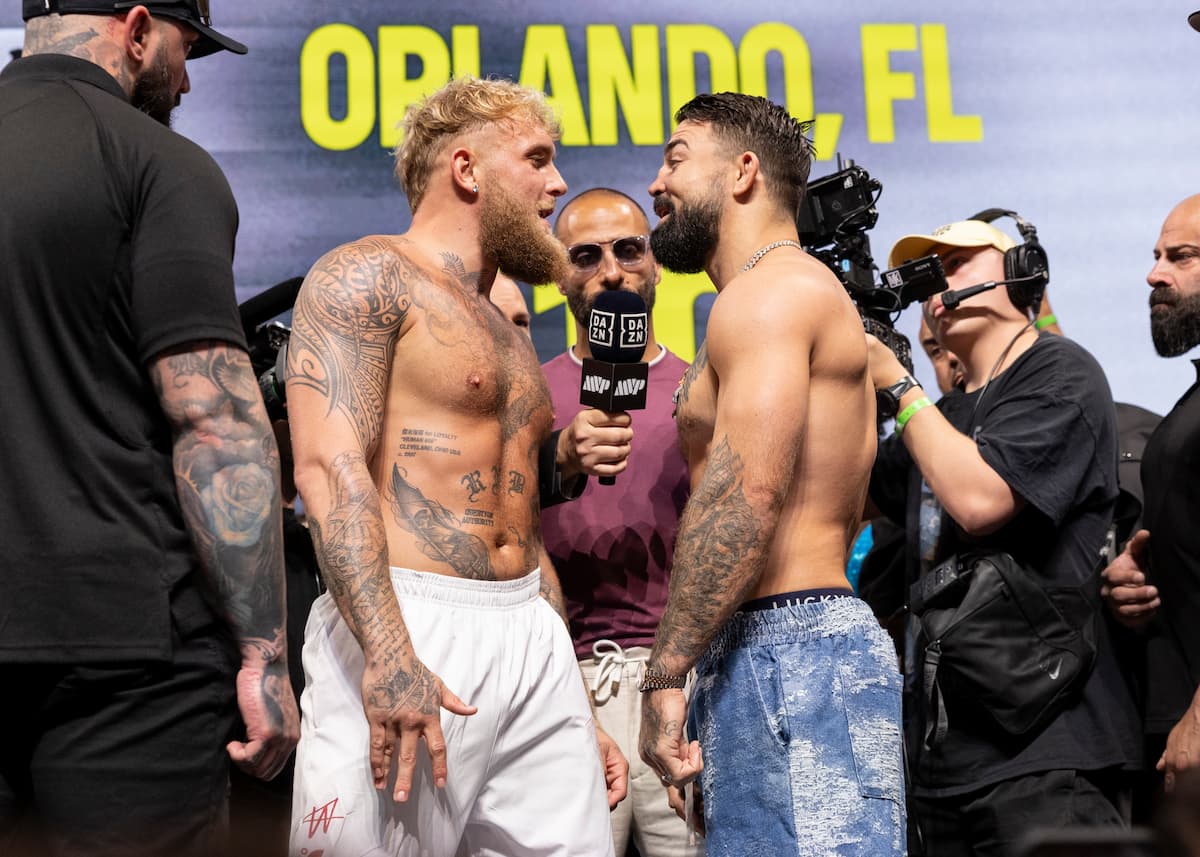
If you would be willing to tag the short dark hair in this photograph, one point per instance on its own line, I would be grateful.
(750, 123)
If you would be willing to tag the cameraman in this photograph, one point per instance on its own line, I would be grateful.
(1022, 461)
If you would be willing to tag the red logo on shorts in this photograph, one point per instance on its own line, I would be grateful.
(321, 817)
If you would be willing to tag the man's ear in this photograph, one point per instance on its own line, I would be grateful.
(746, 170)
(463, 163)
(137, 30)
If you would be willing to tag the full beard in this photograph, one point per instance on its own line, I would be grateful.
(517, 240)
(683, 242)
(1175, 329)
(152, 90)
(581, 306)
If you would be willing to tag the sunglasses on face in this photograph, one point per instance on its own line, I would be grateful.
(627, 251)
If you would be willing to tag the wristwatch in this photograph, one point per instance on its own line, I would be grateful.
(887, 399)
(651, 679)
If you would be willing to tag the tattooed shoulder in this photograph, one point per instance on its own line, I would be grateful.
(349, 314)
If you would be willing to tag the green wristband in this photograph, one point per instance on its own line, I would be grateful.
(907, 413)
(1045, 321)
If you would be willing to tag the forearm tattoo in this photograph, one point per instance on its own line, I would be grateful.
(227, 477)
(719, 553)
(345, 326)
(438, 531)
(351, 547)
(351, 543)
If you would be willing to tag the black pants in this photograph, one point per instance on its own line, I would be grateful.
(996, 819)
(118, 760)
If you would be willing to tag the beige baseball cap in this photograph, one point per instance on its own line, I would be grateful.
(962, 233)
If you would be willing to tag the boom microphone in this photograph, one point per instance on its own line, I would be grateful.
(951, 298)
(614, 378)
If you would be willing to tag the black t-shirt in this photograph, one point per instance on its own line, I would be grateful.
(117, 239)
(1171, 481)
(1047, 426)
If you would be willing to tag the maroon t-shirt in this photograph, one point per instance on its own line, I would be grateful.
(612, 547)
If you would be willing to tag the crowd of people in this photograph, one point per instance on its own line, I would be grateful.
(540, 627)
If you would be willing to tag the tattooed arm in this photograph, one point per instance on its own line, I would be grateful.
(728, 525)
(348, 317)
(227, 476)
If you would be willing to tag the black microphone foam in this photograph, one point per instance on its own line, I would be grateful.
(617, 327)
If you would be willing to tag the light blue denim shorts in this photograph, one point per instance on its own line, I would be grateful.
(797, 710)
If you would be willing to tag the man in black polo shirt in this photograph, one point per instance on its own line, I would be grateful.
(1155, 583)
(140, 550)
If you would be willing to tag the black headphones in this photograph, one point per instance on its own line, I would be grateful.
(1027, 262)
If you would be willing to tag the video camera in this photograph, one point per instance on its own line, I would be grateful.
(267, 341)
(837, 212)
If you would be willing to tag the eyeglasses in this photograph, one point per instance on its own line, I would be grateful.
(628, 252)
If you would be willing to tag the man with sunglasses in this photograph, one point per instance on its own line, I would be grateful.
(612, 546)
(141, 554)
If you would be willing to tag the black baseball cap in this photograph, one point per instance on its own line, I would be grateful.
(195, 13)
(1194, 20)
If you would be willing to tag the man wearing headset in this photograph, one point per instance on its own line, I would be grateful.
(1021, 461)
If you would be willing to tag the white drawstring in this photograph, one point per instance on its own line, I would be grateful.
(611, 667)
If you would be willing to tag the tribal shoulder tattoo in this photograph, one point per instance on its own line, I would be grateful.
(347, 320)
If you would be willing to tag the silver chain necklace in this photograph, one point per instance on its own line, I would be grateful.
(786, 242)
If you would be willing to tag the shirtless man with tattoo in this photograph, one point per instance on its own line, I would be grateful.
(417, 411)
(797, 696)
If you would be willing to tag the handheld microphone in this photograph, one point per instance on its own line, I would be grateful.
(614, 378)
(951, 298)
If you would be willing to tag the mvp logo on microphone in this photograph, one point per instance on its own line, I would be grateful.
(597, 384)
(613, 386)
(630, 387)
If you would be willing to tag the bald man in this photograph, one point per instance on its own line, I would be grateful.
(1154, 585)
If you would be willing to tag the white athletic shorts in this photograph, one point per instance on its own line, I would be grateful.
(525, 776)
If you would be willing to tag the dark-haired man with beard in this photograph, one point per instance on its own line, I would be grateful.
(1154, 585)
(140, 557)
(797, 692)
(417, 411)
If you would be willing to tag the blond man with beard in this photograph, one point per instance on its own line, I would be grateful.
(417, 411)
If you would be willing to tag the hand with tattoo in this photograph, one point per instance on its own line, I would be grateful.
(662, 743)
(268, 708)
(403, 706)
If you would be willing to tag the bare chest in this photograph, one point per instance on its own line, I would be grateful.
(462, 357)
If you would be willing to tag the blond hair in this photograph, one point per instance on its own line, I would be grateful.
(464, 104)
